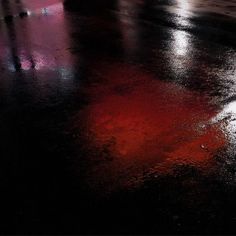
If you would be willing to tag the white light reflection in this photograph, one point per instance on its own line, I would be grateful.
(181, 40)
(29, 13)
(180, 44)
(228, 119)
(183, 7)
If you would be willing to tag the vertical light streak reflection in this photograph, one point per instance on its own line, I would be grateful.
(180, 38)
(183, 6)
(181, 43)
(128, 23)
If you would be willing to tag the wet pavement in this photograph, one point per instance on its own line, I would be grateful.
(118, 116)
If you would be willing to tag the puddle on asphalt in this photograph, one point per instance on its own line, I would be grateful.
(137, 125)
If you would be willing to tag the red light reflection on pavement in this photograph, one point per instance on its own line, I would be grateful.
(145, 125)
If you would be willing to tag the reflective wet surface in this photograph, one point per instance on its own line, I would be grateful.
(118, 116)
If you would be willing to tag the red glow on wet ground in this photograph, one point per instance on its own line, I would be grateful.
(146, 125)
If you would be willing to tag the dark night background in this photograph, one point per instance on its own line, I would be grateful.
(117, 116)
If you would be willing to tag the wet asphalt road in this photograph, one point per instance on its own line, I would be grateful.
(118, 116)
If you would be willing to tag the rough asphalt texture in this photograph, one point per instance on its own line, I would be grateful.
(118, 116)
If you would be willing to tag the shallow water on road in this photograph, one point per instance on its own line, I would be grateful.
(121, 107)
